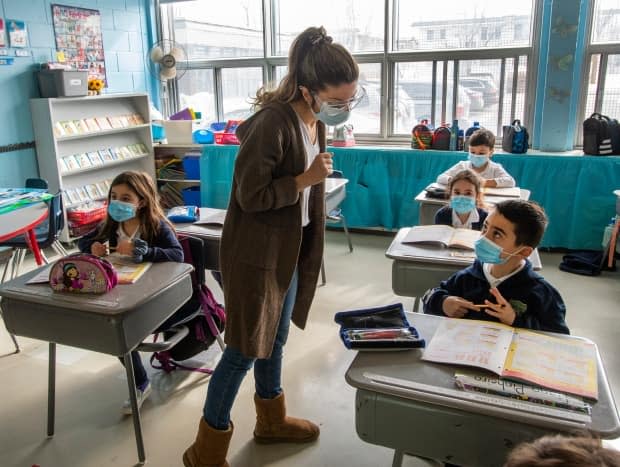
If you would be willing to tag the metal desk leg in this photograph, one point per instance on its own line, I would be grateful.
(397, 460)
(51, 389)
(134, 407)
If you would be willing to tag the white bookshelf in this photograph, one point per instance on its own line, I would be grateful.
(51, 148)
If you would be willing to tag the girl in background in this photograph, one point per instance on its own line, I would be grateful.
(464, 210)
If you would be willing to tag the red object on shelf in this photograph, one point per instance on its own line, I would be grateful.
(228, 136)
(87, 214)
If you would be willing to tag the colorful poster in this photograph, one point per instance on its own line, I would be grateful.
(2, 36)
(79, 38)
(18, 35)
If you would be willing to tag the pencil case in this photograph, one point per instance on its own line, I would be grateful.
(380, 328)
(82, 273)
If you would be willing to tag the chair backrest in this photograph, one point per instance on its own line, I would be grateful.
(49, 231)
(36, 183)
(193, 253)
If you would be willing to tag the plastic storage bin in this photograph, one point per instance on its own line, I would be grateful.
(178, 131)
(62, 83)
(191, 166)
(191, 196)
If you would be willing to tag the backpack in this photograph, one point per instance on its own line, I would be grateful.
(421, 136)
(82, 273)
(515, 139)
(470, 131)
(204, 326)
(601, 135)
(586, 263)
(441, 138)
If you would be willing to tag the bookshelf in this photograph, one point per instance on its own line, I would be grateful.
(171, 176)
(84, 142)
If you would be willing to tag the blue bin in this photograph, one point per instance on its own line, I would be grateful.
(217, 126)
(191, 166)
(191, 196)
(158, 132)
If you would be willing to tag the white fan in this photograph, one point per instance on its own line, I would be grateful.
(164, 58)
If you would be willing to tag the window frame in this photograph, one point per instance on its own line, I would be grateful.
(387, 59)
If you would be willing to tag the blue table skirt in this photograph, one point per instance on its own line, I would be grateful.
(576, 191)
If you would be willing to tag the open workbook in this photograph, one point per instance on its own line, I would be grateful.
(128, 271)
(566, 365)
(442, 235)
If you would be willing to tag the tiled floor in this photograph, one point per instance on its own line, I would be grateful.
(90, 430)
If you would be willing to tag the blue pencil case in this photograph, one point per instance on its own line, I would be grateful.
(183, 214)
(380, 328)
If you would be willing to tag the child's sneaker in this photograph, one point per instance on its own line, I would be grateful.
(141, 394)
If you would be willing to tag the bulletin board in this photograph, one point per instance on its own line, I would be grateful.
(78, 37)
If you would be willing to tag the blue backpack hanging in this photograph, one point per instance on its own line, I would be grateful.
(515, 139)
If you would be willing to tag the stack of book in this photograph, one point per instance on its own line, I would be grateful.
(94, 124)
(171, 195)
(85, 160)
(87, 193)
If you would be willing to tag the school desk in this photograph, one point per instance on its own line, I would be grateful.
(419, 267)
(24, 221)
(429, 206)
(113, 323)
(383, 181)
(425, 417)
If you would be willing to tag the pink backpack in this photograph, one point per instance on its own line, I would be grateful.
(83, 273)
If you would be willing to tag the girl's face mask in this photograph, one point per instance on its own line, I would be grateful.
(121, 211)
(462, 204)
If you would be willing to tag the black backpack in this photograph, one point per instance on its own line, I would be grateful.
(441, 138)
(421, 136)
(601, 135)
(515, 139)
(586, 263)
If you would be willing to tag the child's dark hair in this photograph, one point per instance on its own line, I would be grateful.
(471, 177)
(315, 62)
(529, 219)
(482, 137)
(561, 450)
(149, 215)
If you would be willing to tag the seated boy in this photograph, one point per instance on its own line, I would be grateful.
(481, 146)
(501, 285)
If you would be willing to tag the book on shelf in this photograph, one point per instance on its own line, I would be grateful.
(105, 155)
(128, 271)
(124, 122)
(72, 162)
(59, 130)
(62, 165)
(138, 119)
(114, 154)
(82, 193)
(81, 126)
(102, 189)
(72, 196)
(103, 123)
(445, 235)
(92, 191)
(70, 128)
(115, 122)
(561, 364)
(513, 192)
(92, 125)
(95, 158)
(83, 160)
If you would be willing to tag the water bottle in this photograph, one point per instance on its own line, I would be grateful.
(459, 143)
(608, 231)
(454, 135)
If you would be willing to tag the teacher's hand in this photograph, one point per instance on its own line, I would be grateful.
(321, 167)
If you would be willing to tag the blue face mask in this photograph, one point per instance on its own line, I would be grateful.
(477, 160)
(332, 116)
(121, 211)
(462, 204)
(489, 252)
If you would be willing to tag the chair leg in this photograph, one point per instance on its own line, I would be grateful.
(346, 231)
(59, 248)
(323, 278)
(8, 265)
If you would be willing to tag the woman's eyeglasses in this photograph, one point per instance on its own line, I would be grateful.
(348, 105)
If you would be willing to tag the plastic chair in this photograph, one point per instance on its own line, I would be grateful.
(335, 215)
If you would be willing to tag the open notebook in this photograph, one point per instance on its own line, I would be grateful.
(563, 364)
(128, 271)
(442, 235)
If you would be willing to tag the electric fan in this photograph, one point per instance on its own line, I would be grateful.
(164, 59)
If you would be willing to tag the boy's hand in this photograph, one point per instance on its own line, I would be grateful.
(125, 247)
(491, 183)
(502, 310)
(457, 307)
(98, 249)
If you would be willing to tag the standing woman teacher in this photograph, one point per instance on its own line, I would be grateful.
(272, 241)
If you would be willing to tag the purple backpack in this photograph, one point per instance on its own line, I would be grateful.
(82, 273)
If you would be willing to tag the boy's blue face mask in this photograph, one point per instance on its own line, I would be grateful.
(462, 204)
(477, 160)
(489, 252)
(121, 211)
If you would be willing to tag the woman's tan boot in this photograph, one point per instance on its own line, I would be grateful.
(210, 447)
(273, 426)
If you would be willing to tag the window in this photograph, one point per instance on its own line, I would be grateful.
(601, 90)
(465, 60)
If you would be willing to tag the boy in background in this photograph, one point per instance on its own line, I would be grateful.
(481, 146)
(501, 284)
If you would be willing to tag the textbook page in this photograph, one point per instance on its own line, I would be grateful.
(513, 192)
(429, 234)
(567, 365)
(128, 272)
(464, 238)
(211, 218)
(483, 344)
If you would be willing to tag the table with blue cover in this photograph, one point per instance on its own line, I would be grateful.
(576, 191)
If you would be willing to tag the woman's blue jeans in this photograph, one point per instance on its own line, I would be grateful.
(233, 367)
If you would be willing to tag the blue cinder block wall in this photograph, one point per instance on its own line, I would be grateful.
(126, 37)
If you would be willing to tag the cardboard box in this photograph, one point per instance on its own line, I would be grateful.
(178, 131)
